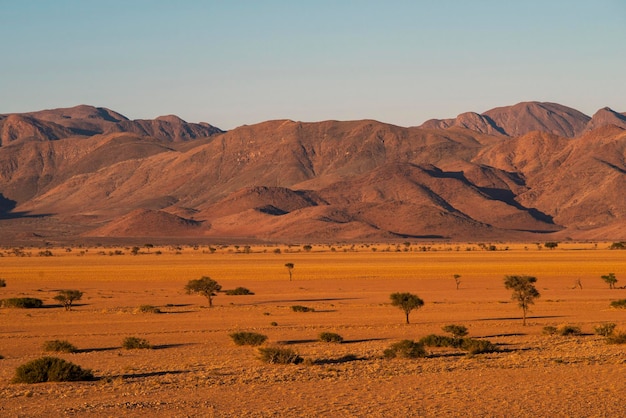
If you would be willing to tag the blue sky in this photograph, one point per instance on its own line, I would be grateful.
(231, 63)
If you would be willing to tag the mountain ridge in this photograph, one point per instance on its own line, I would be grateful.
(284, 180)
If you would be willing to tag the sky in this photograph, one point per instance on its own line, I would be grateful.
(231, 63)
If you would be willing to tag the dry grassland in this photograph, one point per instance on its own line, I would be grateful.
(195, 369)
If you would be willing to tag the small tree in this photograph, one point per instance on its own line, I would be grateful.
(290, 267)
(457, 280)
(204, 286)
(610, 279)
(524, 291)
(67, 297)
(407, 302)
(551, 245)
(3, 283)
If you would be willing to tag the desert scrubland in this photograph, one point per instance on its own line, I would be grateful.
(195, 369)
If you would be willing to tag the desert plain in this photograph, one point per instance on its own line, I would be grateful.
(195, 369)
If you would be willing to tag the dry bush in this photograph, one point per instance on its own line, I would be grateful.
(474, 346)
(605, 329)
(549, 330)
(277, 355)
(131, 343)
(23, 303)
(147, 309)
(616, 338)
(330, 337)
(300, 308)
(50, 369)
(405, 349)
(566, 330)
(620, 304)
(456, 330)
(238, 291)
(59, 346)
(248, 338)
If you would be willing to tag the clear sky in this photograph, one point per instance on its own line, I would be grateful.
(233, 62)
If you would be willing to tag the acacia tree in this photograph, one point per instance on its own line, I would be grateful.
(290, 267)
(407, 302)
(524, 291)
(67, 297)
(204, 286)
(610, 279)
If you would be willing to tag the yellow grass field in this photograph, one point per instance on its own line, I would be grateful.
(196, 370)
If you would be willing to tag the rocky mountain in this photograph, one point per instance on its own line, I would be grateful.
(88, 121)
(501, 175)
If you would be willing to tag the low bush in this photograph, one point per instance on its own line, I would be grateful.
(274, 323)
(239, 291)
(131, 343)
(616, 338)
(50, 369)
(277, 355)
(330, 337)
(605, 329)
(474, 346)
(620, 304)
(23, 303)
(147, 309)
(300, 308)
(248, 338)
(405, 349)
(456, 330)
(434, 340)
(59, 346)
(566, 330)
(549, 330)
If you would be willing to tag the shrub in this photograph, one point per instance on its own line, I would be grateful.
(620, 304)
(274, 323)
(616, 338)
(239, 291)
(565, 330)
(59, 346)
(330, 337)
(549, 330)
(131, 343)
(248, 338)
(456, 330)
(405, 349)
(3, 283)
(300, 308)
(473, 346)
(618, 246)
(50, 369)
(147, 309)
(605, 329)
(433, 340)
(276, 355)
(24, 303)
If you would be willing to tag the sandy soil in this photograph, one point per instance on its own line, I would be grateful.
(195, 369)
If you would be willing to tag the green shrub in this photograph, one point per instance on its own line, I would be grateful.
(24, 303)
(330, 337)
(616, 338)
(621, 304)
(131, 343)
(277, 355)
(300, 308)
(405, 349)
(565, 330)
(456, 330)
(549, 330)
(605, 329)
(474, 346)
(50, 369)
(147, 309)
(248, 338)
(59, 346)
(239, 291)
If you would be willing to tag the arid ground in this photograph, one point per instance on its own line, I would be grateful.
(194, 368)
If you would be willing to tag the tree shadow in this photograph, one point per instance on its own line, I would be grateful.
(144, 375)
(96, 350)
(520, 318)
(364, 340)
(512, 334)
(292, 342)
(165, 346)
(303, 300)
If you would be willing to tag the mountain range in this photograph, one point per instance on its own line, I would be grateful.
(531, 171)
